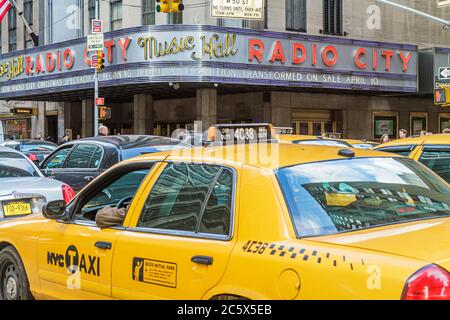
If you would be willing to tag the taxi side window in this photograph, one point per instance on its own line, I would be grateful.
(400, 150)
(57, 159)
(122, 188)
(190, 198)
(437, 160)
(85, 156)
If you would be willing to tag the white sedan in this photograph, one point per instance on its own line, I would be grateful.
(23, 188)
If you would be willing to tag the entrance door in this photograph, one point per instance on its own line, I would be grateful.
(314, 122)
(52, 128)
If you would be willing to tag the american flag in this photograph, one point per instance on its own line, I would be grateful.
(5, 5)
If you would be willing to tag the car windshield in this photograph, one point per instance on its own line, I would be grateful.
(14, 165)
(343, 195)
(37, 147)
(331, 143)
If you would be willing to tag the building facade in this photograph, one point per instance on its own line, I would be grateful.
(318, 65)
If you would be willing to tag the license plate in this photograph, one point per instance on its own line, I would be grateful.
(16, 208)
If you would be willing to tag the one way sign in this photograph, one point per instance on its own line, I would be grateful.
(444, 73)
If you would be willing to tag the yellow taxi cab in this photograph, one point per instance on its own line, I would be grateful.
(432, 151)
(311, 140)
(241, 221)
(361, 144)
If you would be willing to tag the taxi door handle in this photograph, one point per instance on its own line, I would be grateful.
(202, 260)
(103, 245)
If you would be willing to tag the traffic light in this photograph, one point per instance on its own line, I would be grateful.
(169, 6)
(442, 96)
(101, 61)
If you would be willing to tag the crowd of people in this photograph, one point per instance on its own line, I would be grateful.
(403, 133)
(102, 131)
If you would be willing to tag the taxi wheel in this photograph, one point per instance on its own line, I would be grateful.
(13, 279)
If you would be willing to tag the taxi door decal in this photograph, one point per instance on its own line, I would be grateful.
(161, 273)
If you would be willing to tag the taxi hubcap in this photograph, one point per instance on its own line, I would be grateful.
(10, 283)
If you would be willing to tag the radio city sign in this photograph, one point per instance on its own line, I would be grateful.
(207, 53)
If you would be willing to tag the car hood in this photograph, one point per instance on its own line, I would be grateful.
(427, 240)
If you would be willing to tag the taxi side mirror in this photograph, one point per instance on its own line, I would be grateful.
(55, 210)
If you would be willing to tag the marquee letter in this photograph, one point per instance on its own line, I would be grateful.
(255, 52)
(405, 60)
(86, 57)
(68, 59)
(50, 62)
(39, 67)
(360, 52)
(296, 47)
(325, 52)
(278, 52)
(375, 59)
(109, 45)
(388, 55)
(314, 54)
(124, 46)
(29, 66)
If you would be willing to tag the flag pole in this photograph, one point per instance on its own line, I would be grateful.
(33, 35)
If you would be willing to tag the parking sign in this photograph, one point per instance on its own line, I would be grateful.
(96, 26)
(95, 42)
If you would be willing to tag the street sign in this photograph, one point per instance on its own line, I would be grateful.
(104, 113)
(441, 96)
(96, 26)
(444, 73)
(239, 9)
(94, 61)
(100, 101)
(95, 42)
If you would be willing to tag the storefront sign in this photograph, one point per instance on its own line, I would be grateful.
(241, 9)
(22, 111)
(212, 54)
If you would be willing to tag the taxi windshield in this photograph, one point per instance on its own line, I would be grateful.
(344, 195)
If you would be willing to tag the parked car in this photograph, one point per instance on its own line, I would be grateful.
(23, 188)
(35, 150)
(79, 162)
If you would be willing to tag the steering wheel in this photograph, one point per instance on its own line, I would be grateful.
(123, 201)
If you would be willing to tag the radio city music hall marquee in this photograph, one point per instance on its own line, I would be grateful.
(206, 54)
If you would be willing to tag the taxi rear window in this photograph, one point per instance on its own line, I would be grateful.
(344, 195)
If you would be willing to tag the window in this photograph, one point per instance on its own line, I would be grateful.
(176, 18)
(57, 159)
(296, 15)
(116, 14)
(400, 150)
(148, 12)
(336, 196)
(85, 156)
(12, 30)
(438, 160)
(28, 14)
(332, 17)
(191, 198)
(14, 165)
(91, 10)
(121, 189)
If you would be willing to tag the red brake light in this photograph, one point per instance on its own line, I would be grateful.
(429, 283)
(32, 157)
(68, 193)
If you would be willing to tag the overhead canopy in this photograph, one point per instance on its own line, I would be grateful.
(143, 58)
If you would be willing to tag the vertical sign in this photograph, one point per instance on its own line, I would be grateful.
(97, 26)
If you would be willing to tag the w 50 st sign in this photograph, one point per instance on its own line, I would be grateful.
(240, 9)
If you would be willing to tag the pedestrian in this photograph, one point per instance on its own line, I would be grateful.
(384, 138)
(446, 131)
(103, 131)
(64, 139)
(403, 133)
(78, 136)
(423, 133)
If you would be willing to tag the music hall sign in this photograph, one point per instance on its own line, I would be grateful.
(196, 54)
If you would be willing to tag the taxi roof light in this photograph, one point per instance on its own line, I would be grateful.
(241, 133)
(346, 153)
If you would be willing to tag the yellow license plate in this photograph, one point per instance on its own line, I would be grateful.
(18, 208)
